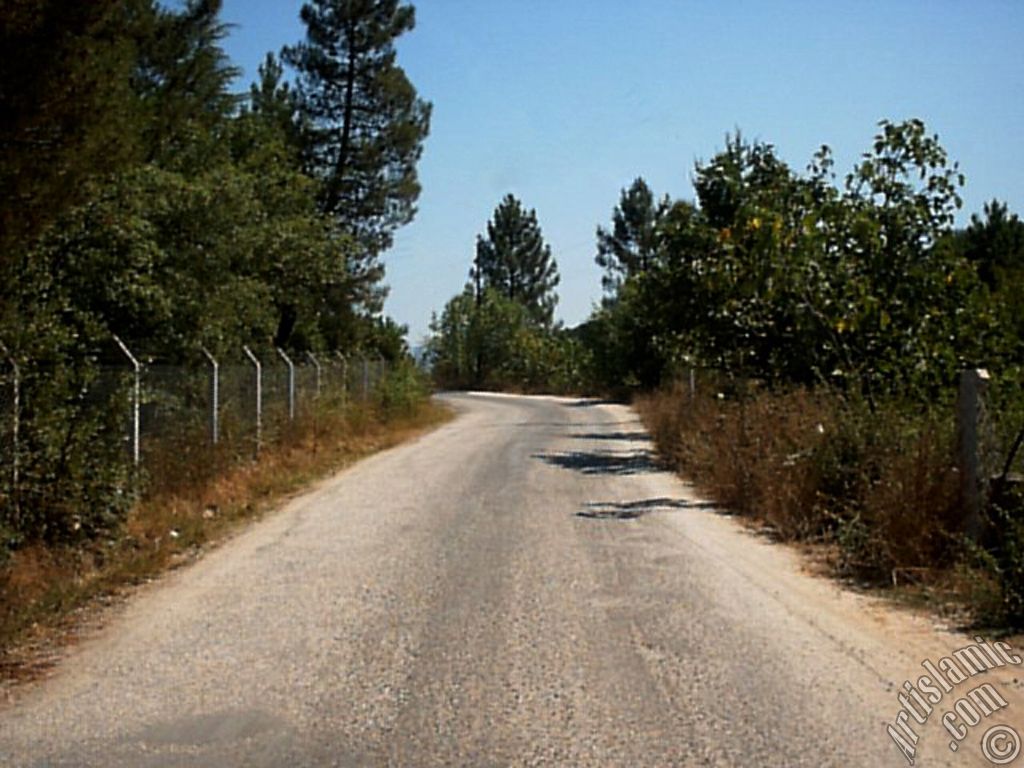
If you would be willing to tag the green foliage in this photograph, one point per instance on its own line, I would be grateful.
(491, 342)
(75, 480)
(789, 278)
(143, 199)
(182, 79)
(273, 101)
(388, 338)
(995, 247)
(403, 389)
(66, 110)
(630, 247)
(363, 123)
(515, 261)
(1001, 555)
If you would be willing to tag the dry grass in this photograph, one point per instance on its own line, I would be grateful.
(44, 589)
(749, 453)
(877, 489)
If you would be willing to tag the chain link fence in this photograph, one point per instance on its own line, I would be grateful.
(10, 439)
(78, 443)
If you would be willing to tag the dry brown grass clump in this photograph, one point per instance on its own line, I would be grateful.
(880, 487)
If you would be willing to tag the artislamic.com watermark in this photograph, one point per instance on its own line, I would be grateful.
(1000, 743)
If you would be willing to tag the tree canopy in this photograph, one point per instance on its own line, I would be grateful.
(514, 260)
(363, 123)
(142, 197)
(630, 246)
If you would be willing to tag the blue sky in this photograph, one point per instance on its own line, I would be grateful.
(565, 102)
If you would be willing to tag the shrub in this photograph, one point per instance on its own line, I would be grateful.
(402, 390)
(1002, 555)
(813, 465)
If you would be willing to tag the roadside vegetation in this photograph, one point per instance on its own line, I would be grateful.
(205, 499)
(143, 200)
(824, 320)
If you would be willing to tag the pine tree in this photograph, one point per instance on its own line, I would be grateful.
(631, 245)
(995, 244)
(514, 260)
(364, 124)
(273, 101)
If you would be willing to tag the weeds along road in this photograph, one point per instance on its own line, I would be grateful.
(520, 587)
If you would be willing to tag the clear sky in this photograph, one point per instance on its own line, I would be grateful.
(565, 102)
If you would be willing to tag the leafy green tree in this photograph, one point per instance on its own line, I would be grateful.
(514, 260)
(792, 278)
(630, 246)
(490, 341)
(451, 350)
(995, 246)
(364, 124)
(302, 255)
(387, 338)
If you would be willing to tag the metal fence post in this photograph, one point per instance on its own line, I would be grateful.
(319, 371)
(215, 397)
(136, 400)
(344, 377)
(15, 428)
(973, 385)
(291, 383)
(693, 384)
(259, 396)
(366, 377)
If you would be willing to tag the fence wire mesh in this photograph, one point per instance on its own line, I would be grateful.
(10, 442)
(70, 434)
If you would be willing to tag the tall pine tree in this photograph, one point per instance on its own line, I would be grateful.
(364, 123)
(630, 247)
(514, 260)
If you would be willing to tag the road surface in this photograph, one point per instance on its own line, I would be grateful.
(521, 587)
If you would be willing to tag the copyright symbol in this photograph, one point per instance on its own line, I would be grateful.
(1000, 745)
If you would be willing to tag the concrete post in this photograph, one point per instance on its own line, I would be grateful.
(973, 386)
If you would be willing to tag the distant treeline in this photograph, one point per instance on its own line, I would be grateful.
(862, 283)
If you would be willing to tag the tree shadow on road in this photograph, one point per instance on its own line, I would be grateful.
(635, 435)
(603, 463)
(566, 424)
(630, 510)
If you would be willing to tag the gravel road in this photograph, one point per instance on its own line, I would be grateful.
(521, 587)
